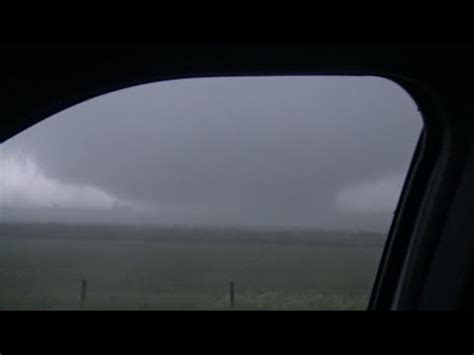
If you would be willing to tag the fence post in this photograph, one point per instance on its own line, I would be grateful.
(232, 294)
(83, 292)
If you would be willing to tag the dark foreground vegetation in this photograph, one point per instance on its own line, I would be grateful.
(152, 267)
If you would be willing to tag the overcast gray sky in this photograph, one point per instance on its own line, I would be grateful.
(329, 152)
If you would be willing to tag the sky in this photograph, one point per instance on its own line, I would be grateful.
(323, 152)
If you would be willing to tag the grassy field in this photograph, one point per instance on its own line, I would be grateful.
(132, 268)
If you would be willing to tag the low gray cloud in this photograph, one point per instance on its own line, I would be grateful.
(372, 196)
(309, 151)
(23, 184)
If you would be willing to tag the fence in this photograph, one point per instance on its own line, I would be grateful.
(84, 293)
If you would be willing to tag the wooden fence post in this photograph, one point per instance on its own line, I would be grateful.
(83, 292)
(232, 294)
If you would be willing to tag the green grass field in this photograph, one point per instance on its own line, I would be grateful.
(41, 267)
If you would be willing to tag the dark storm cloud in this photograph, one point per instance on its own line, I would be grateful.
(279, 151)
